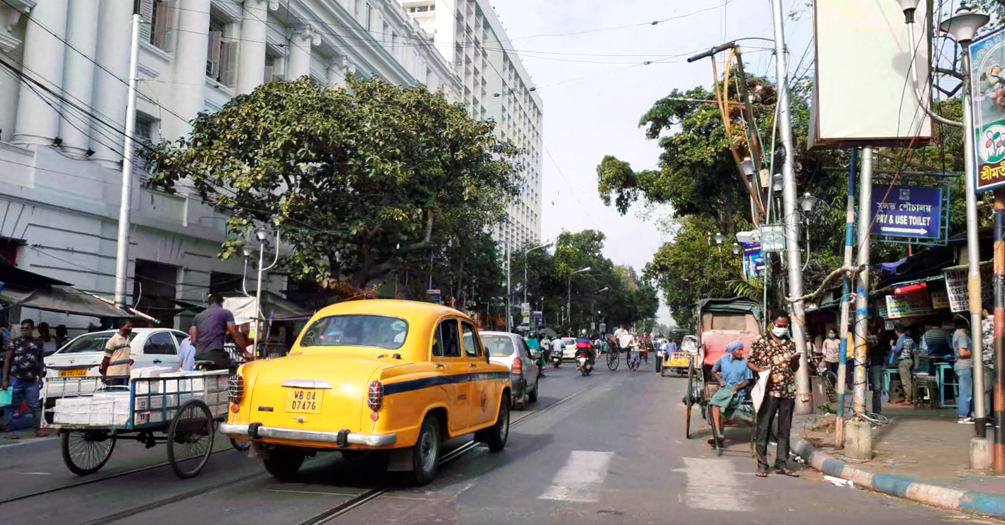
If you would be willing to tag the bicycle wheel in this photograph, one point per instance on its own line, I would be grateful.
(689, 401)
(190, 439)
(613, 359)
(85, 452)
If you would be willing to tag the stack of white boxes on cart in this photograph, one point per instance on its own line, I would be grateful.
(158, 393)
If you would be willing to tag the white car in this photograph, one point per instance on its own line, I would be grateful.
(82, 356)
(569, 348)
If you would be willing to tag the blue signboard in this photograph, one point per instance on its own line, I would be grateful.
(753, 260)
(907, 211)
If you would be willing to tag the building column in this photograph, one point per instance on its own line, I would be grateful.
(300, 52)
(37, 122)
(78, 76)
(188, 69)
(110, 89)
(336, 71)
(10, 45)
(251, 61)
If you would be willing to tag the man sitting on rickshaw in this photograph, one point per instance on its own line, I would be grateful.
(734, 377)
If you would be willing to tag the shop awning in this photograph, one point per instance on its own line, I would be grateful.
(63, 299)
(16, 276)
(890, 287)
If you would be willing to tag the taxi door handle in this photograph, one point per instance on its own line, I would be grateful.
(474, 365)
(439, 366)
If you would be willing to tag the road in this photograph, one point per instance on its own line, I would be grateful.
(608, 448)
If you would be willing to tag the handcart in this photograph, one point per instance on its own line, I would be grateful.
(180, 409)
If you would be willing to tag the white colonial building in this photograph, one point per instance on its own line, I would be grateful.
(60, 164)
(495, 86)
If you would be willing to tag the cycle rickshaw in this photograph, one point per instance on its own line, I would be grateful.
(721, 321)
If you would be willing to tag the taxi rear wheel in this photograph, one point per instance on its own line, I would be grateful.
(284, 463)
(500, 431)
(425, 453)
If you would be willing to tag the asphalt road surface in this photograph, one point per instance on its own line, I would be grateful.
(608, 448)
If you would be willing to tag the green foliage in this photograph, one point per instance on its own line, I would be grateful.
(361, 182)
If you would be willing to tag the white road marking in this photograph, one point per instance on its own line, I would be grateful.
(35, 473)
(716, 477)
(580, 477)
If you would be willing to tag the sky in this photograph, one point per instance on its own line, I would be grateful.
(595, 89)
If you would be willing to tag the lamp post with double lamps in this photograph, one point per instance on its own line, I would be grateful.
(568, 300)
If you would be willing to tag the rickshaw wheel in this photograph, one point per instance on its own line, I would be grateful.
(190, 439)
(613, 359)
(85, 452)
(689, 401)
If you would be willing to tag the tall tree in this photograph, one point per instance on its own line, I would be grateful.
(360, 181)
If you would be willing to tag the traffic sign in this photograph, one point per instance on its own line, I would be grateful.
(904, 211)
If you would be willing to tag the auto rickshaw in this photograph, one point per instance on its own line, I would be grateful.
(720, 322)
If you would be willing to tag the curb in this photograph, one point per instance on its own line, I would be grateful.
(969, 501)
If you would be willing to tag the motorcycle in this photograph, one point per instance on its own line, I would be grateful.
(556, 359)
(583, 363)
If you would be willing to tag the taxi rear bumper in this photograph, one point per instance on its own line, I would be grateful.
(341, 438)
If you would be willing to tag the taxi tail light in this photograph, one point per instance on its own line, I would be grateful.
(375, 396)
(235, 388)
(517, 368)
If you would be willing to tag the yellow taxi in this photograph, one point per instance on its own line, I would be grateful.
(399, 376)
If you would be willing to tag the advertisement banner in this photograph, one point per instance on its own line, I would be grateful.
(987, 80)
(940, 299)
(538, 320)
(908, 305)
(957, 288)
(903, 211)
(753, 260)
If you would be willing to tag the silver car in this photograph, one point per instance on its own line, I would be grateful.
(509, 349)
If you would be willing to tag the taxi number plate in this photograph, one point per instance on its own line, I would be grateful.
(76, 372)
(304, 401)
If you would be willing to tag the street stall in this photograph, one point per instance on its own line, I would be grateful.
(281, 321)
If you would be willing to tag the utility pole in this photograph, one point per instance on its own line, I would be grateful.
(849, 243)
(125, 206)
(804, 402)
(859, 432)
(509, 293)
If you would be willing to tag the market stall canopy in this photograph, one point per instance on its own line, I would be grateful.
(274, 307)
(16, 276)
(64, 299)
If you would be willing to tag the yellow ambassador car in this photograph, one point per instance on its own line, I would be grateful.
(399, 376)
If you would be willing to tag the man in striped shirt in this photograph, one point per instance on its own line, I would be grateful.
(117, 361)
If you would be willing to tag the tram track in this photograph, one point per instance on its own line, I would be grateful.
(321, 518)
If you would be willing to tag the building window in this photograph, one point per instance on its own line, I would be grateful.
(273, 67)
(160, 18)
(221, 61)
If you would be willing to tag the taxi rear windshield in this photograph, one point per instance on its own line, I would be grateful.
(357, 330)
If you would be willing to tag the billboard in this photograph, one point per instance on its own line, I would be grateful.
(862, 86)
(987, 81)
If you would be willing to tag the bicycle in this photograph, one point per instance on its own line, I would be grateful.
(613, 357)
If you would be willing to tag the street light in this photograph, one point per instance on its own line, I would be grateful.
(736, 248)
(568, 301)
(808, 202)
(719, 238)
(525, 252)
(262, 234)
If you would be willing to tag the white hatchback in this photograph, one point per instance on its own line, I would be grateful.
(81, 357)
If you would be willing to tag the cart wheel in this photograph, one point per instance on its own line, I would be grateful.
(85, 452)
(190, 439)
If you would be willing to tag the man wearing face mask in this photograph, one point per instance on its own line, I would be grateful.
(117, 361)
(775, 354)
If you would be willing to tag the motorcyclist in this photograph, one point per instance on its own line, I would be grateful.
(584, 345)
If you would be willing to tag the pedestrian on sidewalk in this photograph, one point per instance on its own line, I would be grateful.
(964, 369)
(904, 350)
(935, 342)
(832, 351)
(117, 361)
(877, 354)
(23, 370)
(775, 354)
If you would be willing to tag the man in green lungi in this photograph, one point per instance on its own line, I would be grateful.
(734, 377)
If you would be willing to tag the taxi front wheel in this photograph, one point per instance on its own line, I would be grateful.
(425, 453)
(284, 463)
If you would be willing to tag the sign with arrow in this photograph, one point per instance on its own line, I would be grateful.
(905, 211)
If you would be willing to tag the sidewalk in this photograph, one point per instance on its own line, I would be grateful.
(922, 454)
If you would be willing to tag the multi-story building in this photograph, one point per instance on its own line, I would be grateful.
(61, 139)
(495, 86)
